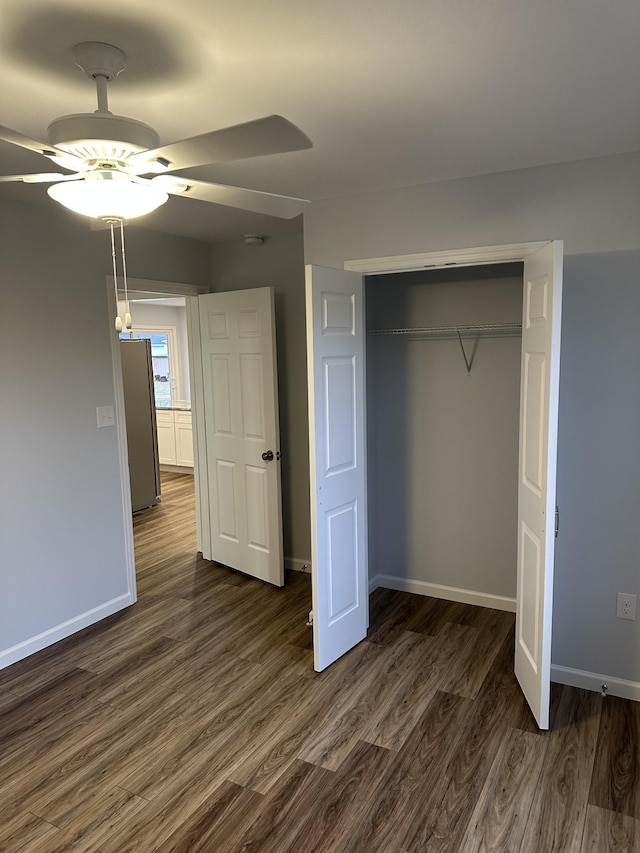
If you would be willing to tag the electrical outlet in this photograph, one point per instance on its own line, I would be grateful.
(626, 606)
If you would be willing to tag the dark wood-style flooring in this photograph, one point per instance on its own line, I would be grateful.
(194, 722)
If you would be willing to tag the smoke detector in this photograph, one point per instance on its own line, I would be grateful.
(253, 240)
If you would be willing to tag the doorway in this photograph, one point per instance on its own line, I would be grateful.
(442, 432)
(146, 289)
(232, 366)
(336, 369)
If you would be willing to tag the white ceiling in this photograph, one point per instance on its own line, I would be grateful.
(391, 92)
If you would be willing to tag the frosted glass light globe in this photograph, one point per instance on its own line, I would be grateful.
(107, 194)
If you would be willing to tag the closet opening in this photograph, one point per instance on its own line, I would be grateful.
(341, 475)
(443, 356)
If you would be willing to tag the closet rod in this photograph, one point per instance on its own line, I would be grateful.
(484, 329)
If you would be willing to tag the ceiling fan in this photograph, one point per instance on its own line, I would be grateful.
(115, 168)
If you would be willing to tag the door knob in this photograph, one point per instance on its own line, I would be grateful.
(268, 456)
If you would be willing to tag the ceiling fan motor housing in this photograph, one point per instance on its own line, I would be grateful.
(101, 136)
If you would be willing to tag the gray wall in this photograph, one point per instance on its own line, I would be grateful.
(594, 206)
(597, 553)
(443, 444)
(61, 523)
(278, 263)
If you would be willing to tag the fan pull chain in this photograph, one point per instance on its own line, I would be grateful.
(118, 322)
(127, 316)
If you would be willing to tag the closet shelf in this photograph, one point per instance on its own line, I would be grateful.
(480, 330)
(496, 330)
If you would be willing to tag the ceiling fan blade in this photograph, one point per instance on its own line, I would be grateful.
(255, 201)
(35, 145)
(40, 178)
(269, 135)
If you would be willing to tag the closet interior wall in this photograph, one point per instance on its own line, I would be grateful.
(443, 443)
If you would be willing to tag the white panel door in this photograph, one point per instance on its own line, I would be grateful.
(242, 434)
(537, 474)
(336, 377)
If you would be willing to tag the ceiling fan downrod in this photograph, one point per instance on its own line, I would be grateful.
(101, 92)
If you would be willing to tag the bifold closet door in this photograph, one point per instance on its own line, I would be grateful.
(337, 452)
(540, 378)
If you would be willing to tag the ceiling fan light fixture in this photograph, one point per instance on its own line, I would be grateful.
(108, 197)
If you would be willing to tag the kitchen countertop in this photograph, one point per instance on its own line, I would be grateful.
(173, 408)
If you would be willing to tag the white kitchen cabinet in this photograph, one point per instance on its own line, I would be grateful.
(183, 439)
(175, 438)
(166, 437)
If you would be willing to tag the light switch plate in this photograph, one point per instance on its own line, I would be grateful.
(105, 416)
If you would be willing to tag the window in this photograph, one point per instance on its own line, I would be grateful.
(164, 360)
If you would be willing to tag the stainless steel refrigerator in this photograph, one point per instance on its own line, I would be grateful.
(140, 413)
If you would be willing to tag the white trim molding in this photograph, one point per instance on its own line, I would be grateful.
(449, 593)
(123, 449)
(199, 429)
(479, 256)
(594, 681)
(167, 288)
(65, 629)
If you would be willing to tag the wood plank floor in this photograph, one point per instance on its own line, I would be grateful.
(194, 722)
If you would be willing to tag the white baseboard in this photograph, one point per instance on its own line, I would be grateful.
(594, 681)
(297, 565)
(59, 632)
(176, 469)
(450, 593)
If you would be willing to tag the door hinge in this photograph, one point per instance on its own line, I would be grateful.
(557, 522)
(310, 621)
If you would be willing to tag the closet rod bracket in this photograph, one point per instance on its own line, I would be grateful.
(467, 362)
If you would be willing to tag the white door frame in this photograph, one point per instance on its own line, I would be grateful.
(160, 288)
(474, 257)
(445, 259)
